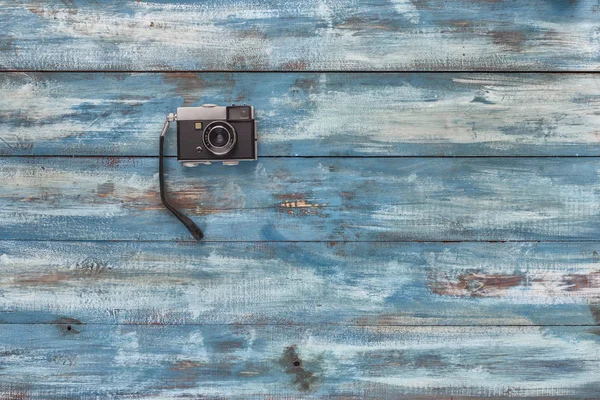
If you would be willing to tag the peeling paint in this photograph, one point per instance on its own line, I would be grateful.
(475, 285)
(301, 204)
(210, 35)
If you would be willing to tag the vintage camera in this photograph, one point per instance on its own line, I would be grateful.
(207, 134)
(211, 133)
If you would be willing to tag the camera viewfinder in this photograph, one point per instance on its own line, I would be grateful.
(238, 113)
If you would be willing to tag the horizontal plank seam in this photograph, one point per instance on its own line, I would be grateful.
(306, 325)
(302, 157)
(573, 241)
(308, 71)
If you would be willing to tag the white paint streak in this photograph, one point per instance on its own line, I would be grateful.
(407, 10)
(504, 111)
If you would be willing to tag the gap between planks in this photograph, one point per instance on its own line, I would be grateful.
(573, 241)
(307, 71)
(304, 325)
(302, 157)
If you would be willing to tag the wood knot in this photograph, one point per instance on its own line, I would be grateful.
(68, 325)
(303, 379)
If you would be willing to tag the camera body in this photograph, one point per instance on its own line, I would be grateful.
(211, 133)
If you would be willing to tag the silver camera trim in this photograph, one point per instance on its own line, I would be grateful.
(205, 111)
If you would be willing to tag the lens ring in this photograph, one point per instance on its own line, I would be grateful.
(219, 137)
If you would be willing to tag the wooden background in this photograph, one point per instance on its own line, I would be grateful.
(423, 220)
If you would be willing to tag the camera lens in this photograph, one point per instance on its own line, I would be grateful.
(219, 137)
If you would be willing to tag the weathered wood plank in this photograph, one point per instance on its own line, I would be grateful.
(309, 114)
(304, 199)
(287, 362)
(307, 35)
(300, 283)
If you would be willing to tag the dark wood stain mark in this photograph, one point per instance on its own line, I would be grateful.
(429, 361)
(461, 24)
(188, 85)
(249, 61)
(88, 268)
(68, 325)
(46, 279)
(50, 10)
(111, 162)
(308, 84)
(303, 379)
(348, 195)
(184, 365)
(365, 24)
(296, 65)
(229, 346)
(252, 33)
(512, 39)
(474, 284)
(577, 282)
(105, 189)
(186, 374)
(190, 199)
(490, 285)
(289, 196)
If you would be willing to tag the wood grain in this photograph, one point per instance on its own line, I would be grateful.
(286, 362)
(309, 35)
(309, 284)
(304, 199)
(309, 114)
(350, 261)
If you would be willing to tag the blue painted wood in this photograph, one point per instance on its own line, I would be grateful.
(306, 284)
(286, 362)
(314, 199)
(358, 314)
(291, 35)
(308, 114)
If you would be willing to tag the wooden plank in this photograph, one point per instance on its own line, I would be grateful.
(304, 199)
(310, 284)
(308, 114)
(286, 362)
(309, 35)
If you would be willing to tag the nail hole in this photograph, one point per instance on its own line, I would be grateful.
(68, 327)
(297, 363)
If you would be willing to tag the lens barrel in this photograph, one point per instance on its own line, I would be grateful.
(219, 137)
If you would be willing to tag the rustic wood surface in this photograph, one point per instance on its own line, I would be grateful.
(422, 223)
(286, 362)
(309, 114)
(300, 35)
(304, 199)
(307, 284)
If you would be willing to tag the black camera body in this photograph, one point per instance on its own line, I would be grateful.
(211, 133)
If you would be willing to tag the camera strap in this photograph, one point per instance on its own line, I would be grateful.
(189, 224)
